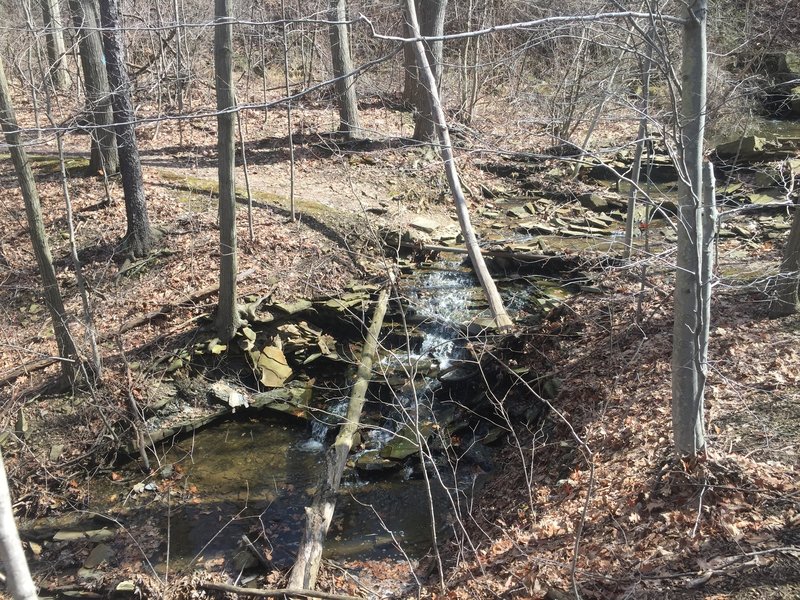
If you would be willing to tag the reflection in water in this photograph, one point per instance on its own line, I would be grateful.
(256, 478)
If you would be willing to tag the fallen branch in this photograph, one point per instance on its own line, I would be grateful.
(275, 593)
(319, 514)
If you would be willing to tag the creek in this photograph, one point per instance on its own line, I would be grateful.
(253, 473)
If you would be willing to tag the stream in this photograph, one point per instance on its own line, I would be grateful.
(253, 474)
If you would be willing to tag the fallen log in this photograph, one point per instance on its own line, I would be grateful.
(319, 514)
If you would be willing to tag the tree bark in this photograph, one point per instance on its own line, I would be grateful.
(19, 582)
(139, 237)
(320, 513)
(54, 31)
(785, 291)
(499, 314)
(104, 148)
(227, 316)
(431, 23)
(41, 247)
(349, 120)
(688, 355)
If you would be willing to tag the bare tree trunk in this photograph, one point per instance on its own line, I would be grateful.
(292, 210)
(411, 77)
(785, 292)
(644, 117)
(349, 121)
(227, 316)
(499, 314)
(104, 158)
(41, 247)
(96, 365)
(320, 513)
(708, 246)
(139, 236)
(431, 22)
(19, 583)
(54, 31)
(688, 366)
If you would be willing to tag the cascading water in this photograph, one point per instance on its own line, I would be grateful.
(322, 424)
(440, 298)
(437, 303)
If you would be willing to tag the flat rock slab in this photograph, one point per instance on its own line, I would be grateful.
(424, 224)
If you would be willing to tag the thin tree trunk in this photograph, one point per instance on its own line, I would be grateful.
(251, 233)
(41, 247)
(785, 291)
(54, 32)
(227, 316)
(139, 237)
(499, 314)
(349, 120)
(104, 156)
(19, 581)
(641, 136)
(411, 75)
(707, 256)
(91, 337)
(688, 369)
(320, 513)
(431, 22)
(288, 112)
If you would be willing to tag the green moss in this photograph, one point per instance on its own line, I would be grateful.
(49, 164)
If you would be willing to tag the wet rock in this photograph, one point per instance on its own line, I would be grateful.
(292, 399)
(371, 461)
(536, 227)
(404, 443)
(478, 455)
(459, 373)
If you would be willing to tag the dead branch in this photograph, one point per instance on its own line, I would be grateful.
(275, 593)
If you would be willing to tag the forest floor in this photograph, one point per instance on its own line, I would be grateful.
(594, 499)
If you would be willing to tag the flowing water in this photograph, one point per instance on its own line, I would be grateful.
(253, 477)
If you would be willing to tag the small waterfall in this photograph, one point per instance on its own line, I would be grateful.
(441, 298)
(322, 424)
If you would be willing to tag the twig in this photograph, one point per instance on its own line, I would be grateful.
(275, 593)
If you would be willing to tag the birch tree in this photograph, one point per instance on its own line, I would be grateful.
(428, 82)
(430, 14)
